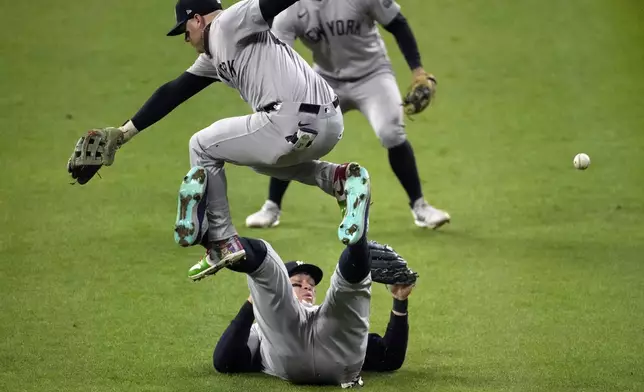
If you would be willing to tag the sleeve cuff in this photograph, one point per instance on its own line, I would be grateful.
(400, 306)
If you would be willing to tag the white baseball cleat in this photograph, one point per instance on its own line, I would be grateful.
(427, 216)
(267, 216)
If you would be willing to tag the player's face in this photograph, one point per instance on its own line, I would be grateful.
(304, 288)
(194, 33)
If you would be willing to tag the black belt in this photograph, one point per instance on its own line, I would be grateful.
(304, 107)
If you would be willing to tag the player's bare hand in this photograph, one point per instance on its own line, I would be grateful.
(401, 291)
(250, 299)
(418, 72)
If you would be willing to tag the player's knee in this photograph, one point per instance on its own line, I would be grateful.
(392, 136)
(194, 143)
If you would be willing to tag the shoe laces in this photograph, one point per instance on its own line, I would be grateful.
(271, 207)
(423, 208)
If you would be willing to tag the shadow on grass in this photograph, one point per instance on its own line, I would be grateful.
(429, 378)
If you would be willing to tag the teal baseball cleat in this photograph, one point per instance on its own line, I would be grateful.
(191, 222)
(357, 190)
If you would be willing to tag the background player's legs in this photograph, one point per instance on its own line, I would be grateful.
(276, 190)
(384, 113)
(379, 100)
(270, 212)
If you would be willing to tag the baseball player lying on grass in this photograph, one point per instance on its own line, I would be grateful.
(296, 121)
(299, 341)
(238, 348)
(351, 56)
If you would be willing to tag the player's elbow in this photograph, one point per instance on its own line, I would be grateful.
(393, 363)
(225, 367)
(220, 364)
(223, 364)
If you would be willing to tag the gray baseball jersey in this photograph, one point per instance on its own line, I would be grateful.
(301, 343)
(342, 34)
(350, 54)
(262, 73)
(244, 54)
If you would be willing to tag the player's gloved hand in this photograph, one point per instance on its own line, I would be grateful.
(420, 93)
(388, 267)
(93, 150)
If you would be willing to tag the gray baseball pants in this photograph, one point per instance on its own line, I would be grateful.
(264, 142)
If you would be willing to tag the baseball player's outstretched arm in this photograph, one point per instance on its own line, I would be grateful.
(386, 354)
(400, 29)
(271, 8)
(167, 97)
(232, 354)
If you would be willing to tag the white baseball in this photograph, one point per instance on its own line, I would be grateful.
(581, 161)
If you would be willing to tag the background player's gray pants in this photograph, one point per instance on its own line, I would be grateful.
(259, 140)
(310, 344)
(377, 97)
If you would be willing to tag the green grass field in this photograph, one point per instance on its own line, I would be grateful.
(537, 285)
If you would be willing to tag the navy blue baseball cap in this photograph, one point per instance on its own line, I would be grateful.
(187, 9)
(300, 267)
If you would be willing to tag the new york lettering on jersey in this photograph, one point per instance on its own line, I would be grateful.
(226, 70)
(334, 28)
(342, 34)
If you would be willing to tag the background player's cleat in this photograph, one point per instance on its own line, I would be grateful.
(191, 222)
(357, 190)
(427, 216)
(221, 254)
(267, 216)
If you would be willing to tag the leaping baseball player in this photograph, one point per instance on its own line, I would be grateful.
(296, 121)
(351, 56)
(299, 341)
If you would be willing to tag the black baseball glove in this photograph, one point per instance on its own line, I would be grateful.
(92, 151)
(388, 267)
(420, 94)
